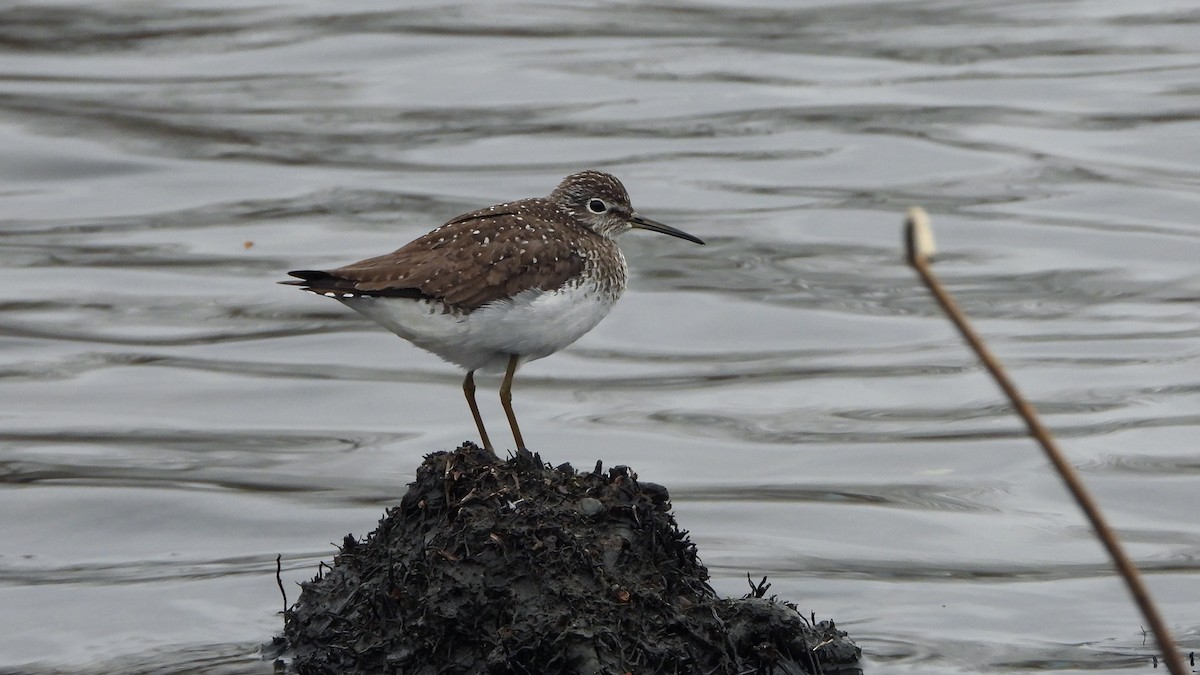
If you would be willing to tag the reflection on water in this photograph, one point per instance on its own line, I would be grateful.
(173, 420)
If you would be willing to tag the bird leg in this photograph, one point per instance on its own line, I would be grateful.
(469, 390)
(506, 401)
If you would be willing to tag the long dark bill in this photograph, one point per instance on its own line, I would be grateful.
(655, 226)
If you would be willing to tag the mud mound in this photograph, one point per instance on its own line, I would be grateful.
(514, 567)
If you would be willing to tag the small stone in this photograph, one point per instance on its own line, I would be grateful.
(591, 507)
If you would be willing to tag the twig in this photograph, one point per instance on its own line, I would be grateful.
(279, 580)
(920, 248)
(758, 590)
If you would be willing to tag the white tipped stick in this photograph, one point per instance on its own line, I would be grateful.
(919, 235)
(919, 242)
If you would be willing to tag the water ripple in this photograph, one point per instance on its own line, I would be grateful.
(253, 461)
(939, 497)
(972, 572)
(29, 571)
(805, 426)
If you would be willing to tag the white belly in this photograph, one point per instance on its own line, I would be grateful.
(533, 324)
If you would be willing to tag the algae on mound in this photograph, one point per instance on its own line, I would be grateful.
(512, 566)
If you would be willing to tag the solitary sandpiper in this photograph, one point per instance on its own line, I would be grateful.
(501, 286)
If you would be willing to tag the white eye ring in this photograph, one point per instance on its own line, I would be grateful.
(597, 205)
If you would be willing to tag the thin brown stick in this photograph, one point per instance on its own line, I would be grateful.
(919, 244)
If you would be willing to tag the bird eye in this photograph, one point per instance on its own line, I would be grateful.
(597, 206)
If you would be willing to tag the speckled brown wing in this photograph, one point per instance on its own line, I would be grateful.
(470, 261)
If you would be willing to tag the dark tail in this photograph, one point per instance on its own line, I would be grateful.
(312, 278)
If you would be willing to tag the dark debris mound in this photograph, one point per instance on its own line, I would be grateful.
(508, 567)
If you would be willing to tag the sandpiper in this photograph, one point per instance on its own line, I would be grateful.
(495, 288)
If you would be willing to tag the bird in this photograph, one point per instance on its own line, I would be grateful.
(496, 288)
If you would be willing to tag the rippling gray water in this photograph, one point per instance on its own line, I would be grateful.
(172, 420)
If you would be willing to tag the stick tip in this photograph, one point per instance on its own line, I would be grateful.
(918, 235)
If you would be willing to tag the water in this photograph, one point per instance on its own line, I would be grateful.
(172, 420)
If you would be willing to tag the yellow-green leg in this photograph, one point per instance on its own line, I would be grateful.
(506, 401)
(469, 390)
